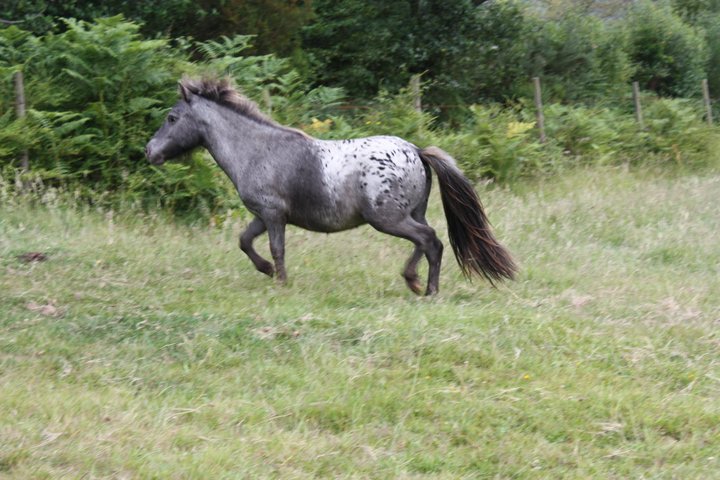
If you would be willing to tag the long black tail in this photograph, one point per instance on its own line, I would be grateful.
(476, 249)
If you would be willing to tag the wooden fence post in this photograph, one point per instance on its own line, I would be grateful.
(20, 112)
(638, 107)
(267, 100)
(416, 92)
(539, 109)
(708, 105)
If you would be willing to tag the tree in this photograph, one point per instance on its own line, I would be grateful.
(276, 23)
(580, 57)
(501, 64)
(670, 55)
(693, 11)
(360, 45)
(368, 45)
(41, 16)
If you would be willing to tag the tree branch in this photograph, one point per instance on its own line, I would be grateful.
(15, 22)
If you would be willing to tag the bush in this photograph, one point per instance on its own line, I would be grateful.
(591, 135)
(94, 93)
(676, 133)
(581, 58)
(98, 91)
(498, 144)
(669, 55)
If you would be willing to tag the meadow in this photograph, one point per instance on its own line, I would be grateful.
(147, 348)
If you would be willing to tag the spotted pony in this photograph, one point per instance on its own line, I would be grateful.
(286, 177)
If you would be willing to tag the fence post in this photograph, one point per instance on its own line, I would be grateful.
(539, 109)
(267, 100)
(20, 112)
(638, 107)
(416, 92)
(708, 105)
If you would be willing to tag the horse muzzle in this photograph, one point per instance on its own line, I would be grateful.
(154, 157)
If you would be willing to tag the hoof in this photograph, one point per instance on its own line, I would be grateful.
(413, 284)
(267, 269)
(431, 291)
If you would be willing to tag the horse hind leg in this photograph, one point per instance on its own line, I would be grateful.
(410, 273)
(434, 256)
(253, 230)
(426, 242)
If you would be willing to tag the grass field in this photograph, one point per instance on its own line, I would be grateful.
(147, 349)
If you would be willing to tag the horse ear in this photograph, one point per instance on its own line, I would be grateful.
(185, 92)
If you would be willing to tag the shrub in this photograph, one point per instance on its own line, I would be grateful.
(676, 133)
(580, 58)
(595, 135)
(94, 92)
(498, 143)
(97, 92)
(396, 115)
(670, 55)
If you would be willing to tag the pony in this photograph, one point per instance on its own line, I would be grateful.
(286, 177)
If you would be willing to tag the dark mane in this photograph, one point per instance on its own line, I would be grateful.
(222, 92)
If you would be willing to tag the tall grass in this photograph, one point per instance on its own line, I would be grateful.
(145, 349)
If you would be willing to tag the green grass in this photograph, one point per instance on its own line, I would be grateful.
(146, 349)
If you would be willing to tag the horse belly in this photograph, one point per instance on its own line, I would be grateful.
(327, 212)
(326, 221)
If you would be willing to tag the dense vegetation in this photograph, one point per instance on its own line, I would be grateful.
(98, 88)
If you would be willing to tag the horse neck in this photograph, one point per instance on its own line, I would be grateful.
(235, 141)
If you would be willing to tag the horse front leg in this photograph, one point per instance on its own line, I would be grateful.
(276, 232)
(253, 230)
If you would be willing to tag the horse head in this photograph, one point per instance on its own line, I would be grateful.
(179, 133)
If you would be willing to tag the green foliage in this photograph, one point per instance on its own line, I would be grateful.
(171, 17)
(97, 91)
(276, 24)
(694, 10)
(498, 144)
(467, 50)
(674, 134)
(396, 115)
(591, 135)
(195, 187)
(269, 80)
(580, 58)
(670, 55)
(501, 68)
(675, 131)
(368, 46)
(710, 23)
(359, 45)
